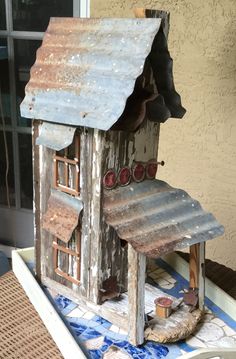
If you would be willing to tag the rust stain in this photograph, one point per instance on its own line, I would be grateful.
(110, 289)
(60, 219)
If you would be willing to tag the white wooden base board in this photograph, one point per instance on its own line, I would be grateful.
(219, 353)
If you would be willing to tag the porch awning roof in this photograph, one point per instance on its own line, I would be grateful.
(156, 218)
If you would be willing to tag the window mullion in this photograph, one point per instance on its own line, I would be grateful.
(9, 19)
(27, 35)
(12, 83)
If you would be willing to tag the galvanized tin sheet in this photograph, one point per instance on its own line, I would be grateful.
(55, 136)
(156, 218)
(61, 217)
(86, 69)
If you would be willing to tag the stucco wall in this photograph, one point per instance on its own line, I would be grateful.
(200, 150)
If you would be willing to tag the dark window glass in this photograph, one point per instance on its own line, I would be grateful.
(2, 15)
(25, 157)
(34, 15)
(25, 55)
(4, 83)
(7, 186)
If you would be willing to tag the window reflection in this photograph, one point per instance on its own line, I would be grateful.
(4, 83)
(25, 55)
(3, 169)
(34, 15)
(25, 154)
(2, 15)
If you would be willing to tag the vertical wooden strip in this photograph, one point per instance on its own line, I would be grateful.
(66, 167)
(152, 13)
(136, 295)
(202, 247)
(46, 179)
(36, 199)
(55, 256)
(86, 148)
(96, 217)
(77, 157)
(197, 270)
(66, 173)
(77, 145)
(140, 12)
(55, 173)
(78, 251)
(194, 266)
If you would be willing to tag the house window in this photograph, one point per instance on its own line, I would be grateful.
(62, 221)
(66, 257)
(66, 168)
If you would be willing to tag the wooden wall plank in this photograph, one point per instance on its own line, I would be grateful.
(86, 150)
(121, 149)
(36, 198)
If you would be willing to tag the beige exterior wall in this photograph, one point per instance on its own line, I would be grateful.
(200, 150)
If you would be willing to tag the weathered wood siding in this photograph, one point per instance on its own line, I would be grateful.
(43, 182)
(115, 150)
(102, 254)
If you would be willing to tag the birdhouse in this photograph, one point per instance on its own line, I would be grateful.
(97, 94)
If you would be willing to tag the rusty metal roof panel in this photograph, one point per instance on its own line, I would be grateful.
(55, 136)
(86, 69)
(61, 217)
(157, 218)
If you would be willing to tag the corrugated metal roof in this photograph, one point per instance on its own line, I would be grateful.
(86, 70)
(156, 218)
(61, 217)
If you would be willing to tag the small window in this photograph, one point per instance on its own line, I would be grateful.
(66, 258)
(66, 168)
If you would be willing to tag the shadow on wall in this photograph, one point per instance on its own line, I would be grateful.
(200, 152)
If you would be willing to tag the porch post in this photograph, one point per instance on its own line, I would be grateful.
(136, 295)
(197, 271)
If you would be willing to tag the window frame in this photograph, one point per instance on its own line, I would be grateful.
(57, 248)
(66, 162)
